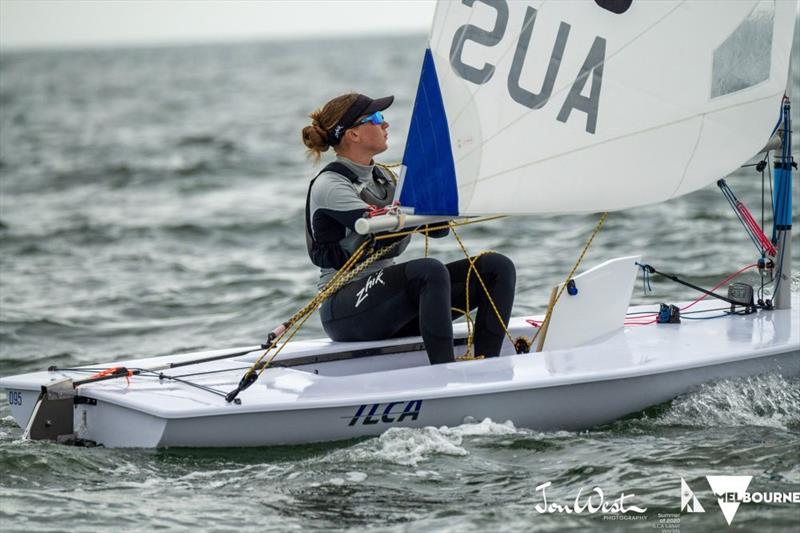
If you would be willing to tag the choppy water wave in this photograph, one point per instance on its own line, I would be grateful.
(87, 233)
(408, 446)
(770, 401)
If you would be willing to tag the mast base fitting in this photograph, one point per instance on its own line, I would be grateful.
(668, 314)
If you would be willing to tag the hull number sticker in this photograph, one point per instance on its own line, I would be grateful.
(14, 397)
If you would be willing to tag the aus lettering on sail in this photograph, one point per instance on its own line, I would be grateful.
(577, 99)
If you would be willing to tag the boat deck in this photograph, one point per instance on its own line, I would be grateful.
(630, 352)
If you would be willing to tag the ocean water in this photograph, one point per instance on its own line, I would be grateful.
(151, 202)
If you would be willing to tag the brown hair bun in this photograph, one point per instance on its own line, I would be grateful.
(315, 136)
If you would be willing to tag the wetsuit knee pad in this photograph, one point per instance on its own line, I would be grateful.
(427, 270)
(497, 264)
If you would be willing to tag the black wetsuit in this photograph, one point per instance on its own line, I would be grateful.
(395, 300)
(417, 298)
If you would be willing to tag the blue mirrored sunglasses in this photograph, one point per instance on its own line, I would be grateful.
(375, 118)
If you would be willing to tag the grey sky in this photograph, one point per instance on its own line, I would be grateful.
(35, 23)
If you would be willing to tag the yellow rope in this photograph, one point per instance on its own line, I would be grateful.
(470, 327)
(389, 168)
(343, 276)
(469, 357)
(550, 308)
(472, 268)
(332, 287)
(349, 271)
(471, 337)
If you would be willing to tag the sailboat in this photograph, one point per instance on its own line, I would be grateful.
(522, 107)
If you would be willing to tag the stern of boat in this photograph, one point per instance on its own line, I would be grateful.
(45, 412)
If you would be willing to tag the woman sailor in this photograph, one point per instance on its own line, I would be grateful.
(387, 299)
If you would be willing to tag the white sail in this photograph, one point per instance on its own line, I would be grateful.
(568, 106)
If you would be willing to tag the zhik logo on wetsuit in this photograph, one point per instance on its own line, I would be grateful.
(373, 280)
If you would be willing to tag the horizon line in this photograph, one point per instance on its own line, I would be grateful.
(202, 41)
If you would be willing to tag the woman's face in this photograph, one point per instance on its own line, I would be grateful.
(374, 137)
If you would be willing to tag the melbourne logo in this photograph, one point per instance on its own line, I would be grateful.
(731, 492)
(689, 502)
(362, 294)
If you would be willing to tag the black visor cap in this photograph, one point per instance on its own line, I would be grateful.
(376, 105)
(364, 105)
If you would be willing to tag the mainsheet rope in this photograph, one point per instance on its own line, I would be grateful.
(353, 268)
(344, 275)
(548, 316)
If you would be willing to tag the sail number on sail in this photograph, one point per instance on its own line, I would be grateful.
(575, 100)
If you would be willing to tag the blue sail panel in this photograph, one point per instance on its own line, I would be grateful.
(429, 185)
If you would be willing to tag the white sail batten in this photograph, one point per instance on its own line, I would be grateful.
(568, 106)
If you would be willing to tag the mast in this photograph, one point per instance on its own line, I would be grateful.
(782, 198)
(782, 225)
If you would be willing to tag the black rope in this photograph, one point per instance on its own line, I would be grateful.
(146, 373)
(54, 368)
(106, 374)
(771, 196)
(250, 376)
(726, 313)
(218, 371)
(646, 287)
(779, 268)
(161, 376)
(676, 279)
(682, 312)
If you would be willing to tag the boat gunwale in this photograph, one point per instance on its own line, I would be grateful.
(102, 392)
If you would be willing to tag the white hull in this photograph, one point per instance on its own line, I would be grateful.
(575, 388)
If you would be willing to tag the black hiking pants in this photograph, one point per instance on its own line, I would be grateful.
(417, 297)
